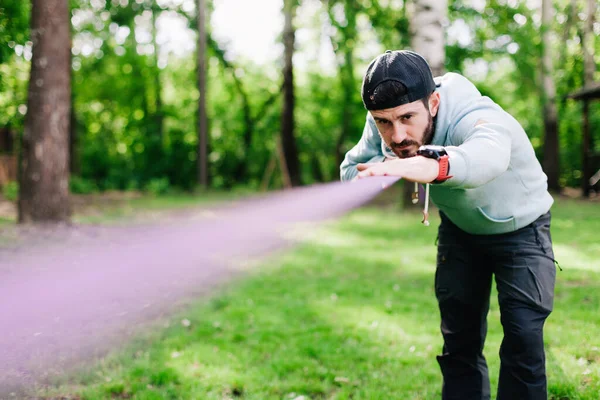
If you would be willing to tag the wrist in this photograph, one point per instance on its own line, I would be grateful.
(432, 169)
(440, 156)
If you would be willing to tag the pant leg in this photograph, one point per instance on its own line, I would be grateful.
(525, 283)
(462, 286)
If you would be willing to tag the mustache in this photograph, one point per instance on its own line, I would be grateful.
(404, 143)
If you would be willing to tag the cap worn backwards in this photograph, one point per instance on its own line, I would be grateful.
(403, 66)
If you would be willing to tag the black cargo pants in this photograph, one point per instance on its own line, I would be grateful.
(523, 265)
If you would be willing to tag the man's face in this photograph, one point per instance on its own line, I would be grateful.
(407, 127)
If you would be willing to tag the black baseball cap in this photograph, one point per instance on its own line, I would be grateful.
(403, 66)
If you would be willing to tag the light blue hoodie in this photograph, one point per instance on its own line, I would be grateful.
(498, 185)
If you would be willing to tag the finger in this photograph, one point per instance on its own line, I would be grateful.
(362, 167)
(370, 172)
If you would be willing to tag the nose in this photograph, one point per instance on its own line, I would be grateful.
(399, 133)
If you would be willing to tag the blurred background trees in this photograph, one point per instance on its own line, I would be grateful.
(137, 93)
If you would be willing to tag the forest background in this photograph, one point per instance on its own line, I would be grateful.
(135, 86)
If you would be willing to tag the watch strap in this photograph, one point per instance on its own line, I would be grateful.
(444, 169)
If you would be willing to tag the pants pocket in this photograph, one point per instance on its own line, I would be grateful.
(531, 280)
(443, 274)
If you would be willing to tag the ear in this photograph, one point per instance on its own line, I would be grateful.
(434, 103)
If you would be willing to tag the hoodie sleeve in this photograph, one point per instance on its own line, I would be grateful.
(481, 148)
(367, 150)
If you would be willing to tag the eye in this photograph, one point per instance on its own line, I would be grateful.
(407, 117)
(383, 122)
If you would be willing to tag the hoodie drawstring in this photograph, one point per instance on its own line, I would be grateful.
(415, 200)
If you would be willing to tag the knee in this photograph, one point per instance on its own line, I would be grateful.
(524, 325)
(523, 344)
(523, 336)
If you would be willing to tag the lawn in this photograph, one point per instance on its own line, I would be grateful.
(349, 313)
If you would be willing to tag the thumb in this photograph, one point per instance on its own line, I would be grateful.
(362, 167)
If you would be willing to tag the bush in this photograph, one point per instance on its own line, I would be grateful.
(80, 185)
(158, 186)
(10, 191)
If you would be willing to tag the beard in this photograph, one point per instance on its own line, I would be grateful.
(408, 148)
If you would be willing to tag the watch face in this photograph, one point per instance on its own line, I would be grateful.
(432, 151)
(432, 147)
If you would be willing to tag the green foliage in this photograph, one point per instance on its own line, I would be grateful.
(513, 76)
(157, 186)
(10, 191)
(14, 27)
(80, 185)
(135, 122)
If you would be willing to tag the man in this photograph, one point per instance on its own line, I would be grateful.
(494, 207)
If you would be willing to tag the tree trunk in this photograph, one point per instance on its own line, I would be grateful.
(427, 32)
(588, 43)
(74, 167)
(347, 77)
(589, 66)
(44, 178)
(202, 117)
(551, 150)
(345, 44)
(74, 162)
(158, 105)
(427, 39)
(288, 140)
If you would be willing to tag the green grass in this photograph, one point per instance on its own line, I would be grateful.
(6, 221)
(135, 208)
(348, 314)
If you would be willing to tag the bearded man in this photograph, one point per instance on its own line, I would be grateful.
(495, 216)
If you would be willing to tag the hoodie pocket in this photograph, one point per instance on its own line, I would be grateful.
(496, 220)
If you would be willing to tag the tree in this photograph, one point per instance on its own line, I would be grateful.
(288, 141)
(427, 39)
(427, 32)
(589, 66)
(202, 117)
(344, 48)
(551, 155)
(588, 43)
(44, 178)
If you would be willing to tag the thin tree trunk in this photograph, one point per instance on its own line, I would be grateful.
(285, 175)
(588, 78)
(589, 39)
(288, 140)
(202, 116)
(347, 74)
(158, 105)
(346, 69)
(427, 32)
(551, 150)
(44, 178)
(427, 39)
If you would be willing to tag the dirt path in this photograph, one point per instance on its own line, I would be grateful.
(78, 291)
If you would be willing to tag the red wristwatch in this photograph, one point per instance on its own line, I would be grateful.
(439, 154)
